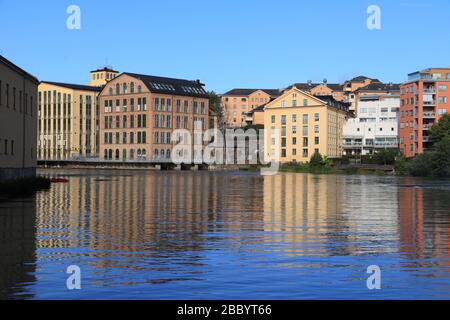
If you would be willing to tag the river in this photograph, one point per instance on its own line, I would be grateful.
(227, 235)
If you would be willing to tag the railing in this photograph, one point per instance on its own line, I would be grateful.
(426, 139)
(429, 103)
(430, 91)
(429, 115)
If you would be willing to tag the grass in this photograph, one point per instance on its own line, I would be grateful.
(23, 187)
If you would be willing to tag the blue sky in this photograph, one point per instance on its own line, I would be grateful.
(227, 44)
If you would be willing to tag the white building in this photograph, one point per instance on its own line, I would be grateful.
(376, 125)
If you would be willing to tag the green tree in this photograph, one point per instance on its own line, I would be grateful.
(386, 157)
(215, 105)
(316, 160)
(440, 158)
(441, 129)
(420, 166)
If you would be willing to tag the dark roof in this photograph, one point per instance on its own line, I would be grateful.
(335, 86)
(308, 86)
(105, 69)
(362, 79)
(260, 108)
(17, 69)
(171, 86)
(378, 86)
(304, 86)
(247, 92)
(329, 100)
(74, 86)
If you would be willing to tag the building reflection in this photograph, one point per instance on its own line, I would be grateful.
(17, 248)
(425, 223)
(329, 215)
(157, 213)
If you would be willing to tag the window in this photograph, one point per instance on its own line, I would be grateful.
(125, 88)
(442, 99)
(305, 102)
(294, 118)
(316, 140)
(443, 88)
(283, 120)
(316, 117)
(117, 89)
(305, 119)
(132, 87)
(273, 119)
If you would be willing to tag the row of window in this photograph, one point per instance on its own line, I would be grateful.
(141, 122)
(139, 138)
(305, 153)
(16, 98)
(6, 147)
(160, 105)
(294, 118)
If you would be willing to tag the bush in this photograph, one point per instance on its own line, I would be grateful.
(316, 160)
(420, 165)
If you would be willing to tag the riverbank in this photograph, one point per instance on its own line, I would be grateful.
(23, 187)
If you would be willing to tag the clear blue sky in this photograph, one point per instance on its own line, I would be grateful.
(226, 44)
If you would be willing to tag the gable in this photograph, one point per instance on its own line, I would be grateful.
(294, 98)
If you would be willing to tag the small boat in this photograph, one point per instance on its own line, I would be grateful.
(59, 180)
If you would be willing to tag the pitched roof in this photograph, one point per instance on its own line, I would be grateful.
(246, 92)
(330, 101)
(378, 86)
(171, 85)
(362, 79)
(105, 69)
(74, 86)
(17, 69)
(304, 86)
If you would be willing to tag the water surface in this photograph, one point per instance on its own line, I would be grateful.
(212, 235)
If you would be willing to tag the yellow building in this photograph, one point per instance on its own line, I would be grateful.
(306, 124)
(68, 124)
(18, 114)
(237, 103)
(101, 77)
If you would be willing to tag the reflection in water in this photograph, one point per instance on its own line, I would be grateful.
(138, 234)
(17, 247)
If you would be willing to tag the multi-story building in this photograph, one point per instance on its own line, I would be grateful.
(424, 98)
(375, 128)
(18, 114)
(322, 89)
(100, 77)
(68, 124)
(351, 86)
(237, 103)
(307, 124)
(139, 113)
(374, 89)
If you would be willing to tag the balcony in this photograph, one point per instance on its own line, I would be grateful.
(429, 90)
(429, 103)
(426, 139)
(427, 126)
(429, 115)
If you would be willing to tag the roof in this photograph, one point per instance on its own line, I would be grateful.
(362, 79)
(74, 86)
(193, 88)
(105, 69)
(330, 101)
(260, 108)
(378, 86)
(17, 69)
(304, 86)
(247, 92)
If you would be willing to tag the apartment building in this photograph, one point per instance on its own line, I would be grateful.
(139, 113)
(424, 98)
(18, 120)
(68, 124)
(376, 126)
(351, 86)
(374, 89)
(237, 103)
(306, 124)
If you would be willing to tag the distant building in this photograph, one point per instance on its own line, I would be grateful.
(100, 77)
(237, 103)
(138, 114)
(68, 124)
(375, 128)
(322, 89)
(307, 124)
(18, 114)
(351, 86)
(425, 97)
